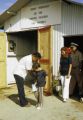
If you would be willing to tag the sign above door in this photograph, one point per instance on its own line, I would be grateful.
(41, 15)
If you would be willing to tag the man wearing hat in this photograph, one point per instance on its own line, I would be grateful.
(77, 58)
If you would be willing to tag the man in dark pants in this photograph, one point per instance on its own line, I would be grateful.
(81, 68)
(24, 65)
(76, 73)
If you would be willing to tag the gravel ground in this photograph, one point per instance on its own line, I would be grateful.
(53, 108)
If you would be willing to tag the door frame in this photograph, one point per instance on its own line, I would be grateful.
(3, 61)
(51, 55)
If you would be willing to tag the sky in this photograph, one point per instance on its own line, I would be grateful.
(80, 1)
(5, 4)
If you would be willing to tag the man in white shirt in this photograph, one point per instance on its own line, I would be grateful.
(24, 65)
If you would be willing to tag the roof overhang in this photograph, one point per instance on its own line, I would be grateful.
(12, 11)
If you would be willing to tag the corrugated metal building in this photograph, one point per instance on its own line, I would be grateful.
(71, 27)
(52, 24)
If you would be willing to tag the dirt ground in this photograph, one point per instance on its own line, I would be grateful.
(53, 108)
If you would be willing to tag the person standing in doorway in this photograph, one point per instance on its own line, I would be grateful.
(20, 73)
(65, 72)
(77, 58)
(81, 69)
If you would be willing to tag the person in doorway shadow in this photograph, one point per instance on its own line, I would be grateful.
(77, 58)
(20, 73)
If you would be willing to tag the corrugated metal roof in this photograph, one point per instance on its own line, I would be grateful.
(14, 9)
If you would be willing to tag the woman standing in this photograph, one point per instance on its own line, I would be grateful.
(65, 70)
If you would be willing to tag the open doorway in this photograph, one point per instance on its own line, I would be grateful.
(78, 40)
(75, 39)
(26, 42)
(19, 44)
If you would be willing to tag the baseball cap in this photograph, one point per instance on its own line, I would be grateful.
(74, 44)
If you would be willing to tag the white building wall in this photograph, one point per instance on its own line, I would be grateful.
(71, 24)
(20, 21)
(40, 15)
(13, 24)
(11, 63)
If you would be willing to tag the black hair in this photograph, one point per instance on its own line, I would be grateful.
(37, 54)
(35, 65)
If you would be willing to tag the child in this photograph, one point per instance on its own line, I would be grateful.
(40, 82)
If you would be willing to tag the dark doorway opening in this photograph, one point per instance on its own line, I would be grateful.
(26, 42)
(78, 40)
(19, 44)
(75, 39)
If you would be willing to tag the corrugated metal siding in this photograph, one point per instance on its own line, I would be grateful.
(72, 19)
(57, 44)
(71, 24)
